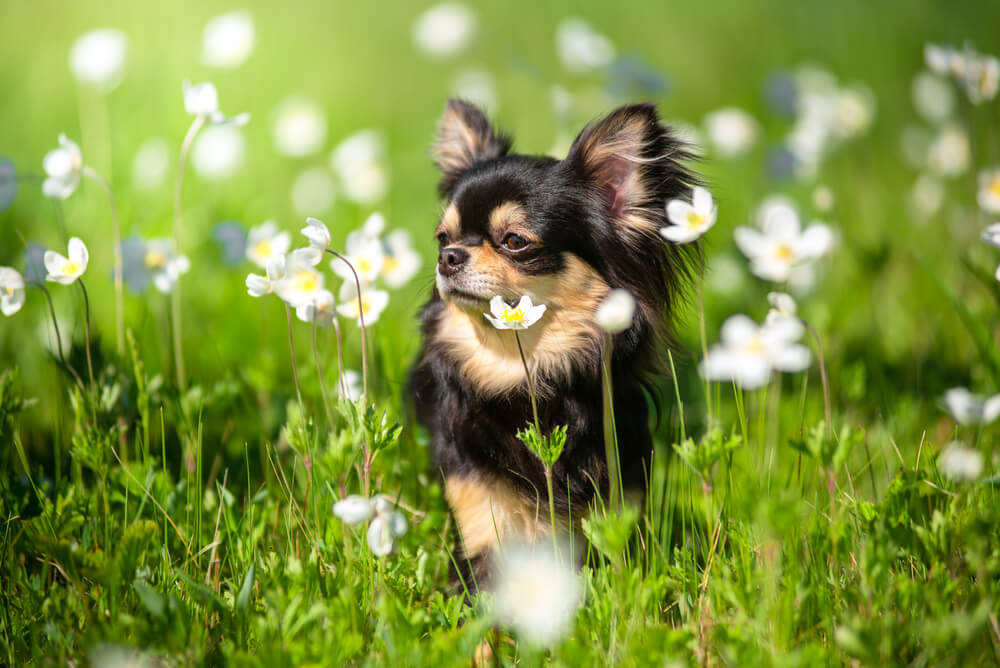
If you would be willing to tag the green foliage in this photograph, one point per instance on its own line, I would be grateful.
(547, 448)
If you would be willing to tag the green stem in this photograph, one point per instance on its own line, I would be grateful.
(361, 321)
(552, 508)
(531, 383)
(90, 362)
(322, 377)
(615, 493)
(291, 348)
(704, 340)
(59, 346)
(117, 234)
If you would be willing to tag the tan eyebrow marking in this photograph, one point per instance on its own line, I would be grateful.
(450, 222)
(509, 215)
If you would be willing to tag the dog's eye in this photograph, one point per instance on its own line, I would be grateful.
(442, 238)
(515, 242)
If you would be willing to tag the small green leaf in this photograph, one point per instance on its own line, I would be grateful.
(243, 600)
(150, 599)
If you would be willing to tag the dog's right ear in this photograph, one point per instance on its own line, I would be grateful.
(464, 138)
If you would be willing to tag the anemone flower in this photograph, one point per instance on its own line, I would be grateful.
(690, 220)
(11, 291)
(522, 316)
(66, 270)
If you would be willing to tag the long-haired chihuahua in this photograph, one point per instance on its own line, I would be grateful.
(563, 232)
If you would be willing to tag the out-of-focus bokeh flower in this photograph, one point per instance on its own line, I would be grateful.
(477, 86)
(944, 59)
(731, 132)
(299, 126)
(933, 97)
(219, 151)
(960, 463)
(749, 352)
(926, 196)
(228, 40)
(320, 309)
(354, 509)
(372, 302)
(949, 152)
(97, 58)
(155, 261)
(317, 233)
(537, 593)
(444, 30)
(232, 239)
(66, 270)
(386, 527)
(352, 385)
(982, 76)
(266, 241)
(152, 161)
(615, 312)
(989, 190)
(822, 198)
(400, 262)
(581, 48)
(365, 254)
(358, 163)
(301, 282)
(313, 191)
(11, 290)
(968, 408)
(202, 99)
(62, 168)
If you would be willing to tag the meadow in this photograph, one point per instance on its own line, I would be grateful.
(824, 489)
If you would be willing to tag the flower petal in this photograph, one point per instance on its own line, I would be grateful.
(738, 329)
(702, 200)
(679, 234)
(815, 241)
(677, 211)
(78, 253)
(752, 243)
(54, 262)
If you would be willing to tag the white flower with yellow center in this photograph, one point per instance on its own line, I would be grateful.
(62, 169)
(400, 262)
(258, 286)
(321, 310)
(537, 593)
(365, 254)
(781, 244)
(749, 352)
(265, 242)
(690, 220)
(371, 304)
(301, 282)
(982, 77)
(11, 291)
(164, 264)
(989, 190)
(522, 316)
(66, 270)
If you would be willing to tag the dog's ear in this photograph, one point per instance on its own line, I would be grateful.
(464, 138)
(630, 160)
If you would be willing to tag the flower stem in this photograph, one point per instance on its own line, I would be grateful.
(322, 378)
(175, 302)
(59, 347)
(704, 339)
(361, 320)
(90, 361)
(340, 358)
(117, 234)
(615, 492)
(822, 375)
(291, 348)
(531, 383)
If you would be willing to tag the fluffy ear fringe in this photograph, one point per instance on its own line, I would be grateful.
(464, 138)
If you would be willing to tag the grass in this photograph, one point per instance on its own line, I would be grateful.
(195, 526)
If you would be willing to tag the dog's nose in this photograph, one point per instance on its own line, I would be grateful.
(450, 260)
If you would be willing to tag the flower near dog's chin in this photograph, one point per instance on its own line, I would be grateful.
(749, 352)
(522, 316)
(65, 270)
(354, 509)
(781, 244)
(301, 282)
(372, 302)
(258, 286)
(11, 291)
(691, 219)
(62, 169)
(400, 262)
(265, 242)
(989, 190)
(97, 58)
(967, 408)
(317, 233)
(537, 594)
(320, 310)
(960, 462)
(615, 313)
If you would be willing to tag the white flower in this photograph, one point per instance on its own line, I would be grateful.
(989, 190)
(781, 245)
(228, 40)
(11, 291)
(968, 408)
(299, 127)
(62, 167)
(97, 58)
(164, 264)
(66, 270)
(301, 281)
(522, 316)
(933, 97)
(690, 221)
(374, 226)
(218, 152)
(537, 593)
(731, 131)
(354, 509)
(991, 235)
(384, 529)
(949, 153)
(782, 306)
(444, 30)
(960, 463)
(320, 309)
(581, 48)
(357, 162)
(854, 110)
(476, 86)
(352, 385)
(615, 312)
(372, 302)
(265, 242)
(152, 161)
(400, 262)
(822, 198)
(926, 196)
(313, 191)
(981, 78)
(365, 254)
(201, 99)
(749, 352)
(942, 59)
(258, 286)
(317, 233)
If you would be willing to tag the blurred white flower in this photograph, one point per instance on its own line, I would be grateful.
(218, 152)
(66, 270)
(108, 655)
(228, 40)
(265, 242)
(62, 169)
(781, 245)
(400, 262)
(317, 233)
(313, 191)
(444, 30)
(991, 235)
(982, 75)
(522, 316)
(822, 198)
(949, 153)
(373, 227)
(690, 220)
(854, 110)
(258, 286)
(581, 48)
(202, 99)
(926, 196)
(968, 408)
(320, 309)
(615, 312)
(385, 528)
(989, 190)
(944, 59)
(354, 509)
(372, 302)
(164, 264)
(731, 131)
(299, 127)
(537, 593)
(12, 294)
(365, 254)
(357, 162)
(782, 306)
(933, 97)
(476, 85)
(915, 141)
(352, 385)
(960, 463)
(152, 161)
(749, 352)
(97, 58)
(301, 281)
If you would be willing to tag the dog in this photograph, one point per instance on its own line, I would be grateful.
(563, 232)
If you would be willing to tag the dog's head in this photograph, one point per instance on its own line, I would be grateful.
(562, 231)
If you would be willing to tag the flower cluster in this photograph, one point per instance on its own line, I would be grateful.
(977, 73)
(386, 523)
(749, 352)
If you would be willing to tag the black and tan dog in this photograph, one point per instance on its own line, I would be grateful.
(564, 233)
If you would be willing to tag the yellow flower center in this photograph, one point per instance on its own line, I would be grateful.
(306, 281)
(695, 219)
(513, 315)
(262, 249)
(70, 268)
(995, 185)
(10, 290)
(784, 252)
(755, 346)
(389, 264)
(155, 258)
(364, 265)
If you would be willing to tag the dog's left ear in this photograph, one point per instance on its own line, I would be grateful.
(630, 159)
(464, 138)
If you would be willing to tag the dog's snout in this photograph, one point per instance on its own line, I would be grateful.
(450, 260)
